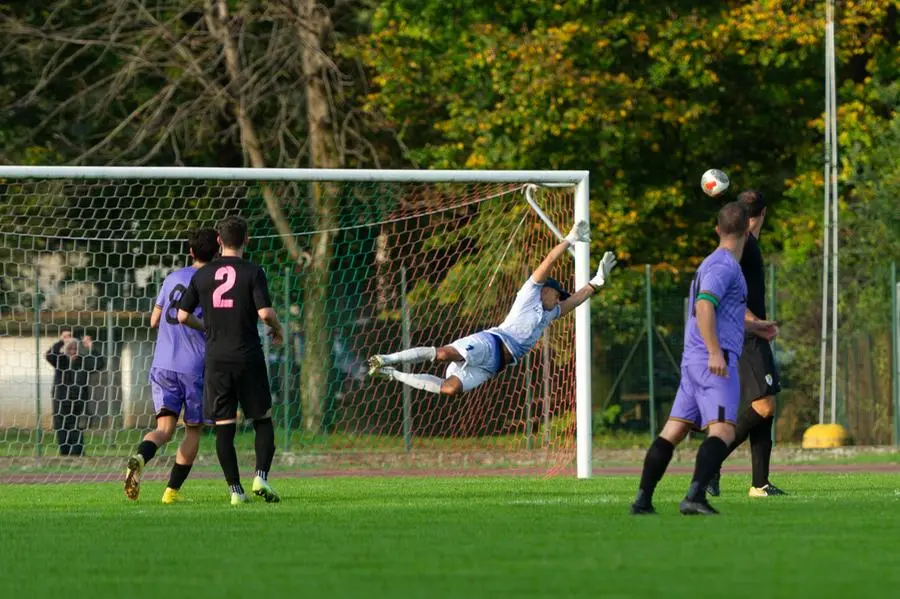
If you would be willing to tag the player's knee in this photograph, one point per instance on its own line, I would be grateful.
(722, 430)
(675, 431)
(451, 387)
(165, 428)
(264, 420)
(765, 407)
(447, 353)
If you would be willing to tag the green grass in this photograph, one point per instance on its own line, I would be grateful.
(835, 536)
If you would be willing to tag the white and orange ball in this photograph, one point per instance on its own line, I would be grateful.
(714, 183)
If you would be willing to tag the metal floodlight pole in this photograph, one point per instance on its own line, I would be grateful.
(826, 242)
(835, 206)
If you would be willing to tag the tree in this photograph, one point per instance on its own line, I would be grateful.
(191, 82)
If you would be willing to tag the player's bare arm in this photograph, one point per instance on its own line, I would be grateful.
(268, 316)
(576, 299)
(706, 324)
(765, 329)
(155, 316)
(580, 232)
(188, 319)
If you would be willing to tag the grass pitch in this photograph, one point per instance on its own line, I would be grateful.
(835, 536)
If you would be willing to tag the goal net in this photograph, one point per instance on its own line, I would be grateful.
(354, 268)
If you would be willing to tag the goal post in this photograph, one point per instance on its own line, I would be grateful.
(86, 247)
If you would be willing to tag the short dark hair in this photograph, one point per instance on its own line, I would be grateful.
(233, 231)
(753, 201)
(204, 243)
(733, 219)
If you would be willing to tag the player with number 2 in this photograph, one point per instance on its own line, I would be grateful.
(234, 295)
(176, 375)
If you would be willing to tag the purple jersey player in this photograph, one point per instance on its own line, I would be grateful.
(702, 400)
(710, 391)
(176, 376)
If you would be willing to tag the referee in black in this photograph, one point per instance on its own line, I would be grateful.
(234, 295)
(759, 377)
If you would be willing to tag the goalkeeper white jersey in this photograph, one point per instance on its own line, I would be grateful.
(526, 320)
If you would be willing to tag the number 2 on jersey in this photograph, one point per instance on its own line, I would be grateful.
(228, 276)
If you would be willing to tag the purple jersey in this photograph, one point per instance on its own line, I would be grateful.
(719, 278)
(179, 348)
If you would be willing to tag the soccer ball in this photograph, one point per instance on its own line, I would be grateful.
(714, 183)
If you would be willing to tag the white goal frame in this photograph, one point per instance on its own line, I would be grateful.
(578, 179)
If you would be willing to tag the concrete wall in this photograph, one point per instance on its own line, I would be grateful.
(25, 375)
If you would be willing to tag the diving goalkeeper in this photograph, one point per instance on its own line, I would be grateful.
(475, 359)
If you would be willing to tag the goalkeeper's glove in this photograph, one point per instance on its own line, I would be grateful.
(606, 264)
(580, 232)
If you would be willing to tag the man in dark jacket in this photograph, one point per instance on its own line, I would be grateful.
(71, 389)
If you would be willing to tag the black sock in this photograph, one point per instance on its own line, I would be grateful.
(227, 455)
(710, 456)
(655, 463)
(265, 446)
(178, 475)
(147, 449)
(761, 451)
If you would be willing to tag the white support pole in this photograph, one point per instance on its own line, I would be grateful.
(529, 197)
(583, 441)
(835, 206)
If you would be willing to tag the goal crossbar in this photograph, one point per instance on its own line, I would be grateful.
(292, 174)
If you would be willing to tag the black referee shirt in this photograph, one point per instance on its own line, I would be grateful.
(754, 273)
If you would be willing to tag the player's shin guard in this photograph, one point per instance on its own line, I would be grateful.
(761, 451)
(425, 382)
(412, 355)
(710, 456)
(655, 463)
(227, 455)
(265, 446)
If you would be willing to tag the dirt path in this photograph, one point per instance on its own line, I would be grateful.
(633, 470)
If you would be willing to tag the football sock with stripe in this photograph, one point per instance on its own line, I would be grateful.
(265, 446)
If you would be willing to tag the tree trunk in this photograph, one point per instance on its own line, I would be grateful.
(313, 29)
(218, 24)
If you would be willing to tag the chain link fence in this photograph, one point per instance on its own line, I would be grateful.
(638, 335)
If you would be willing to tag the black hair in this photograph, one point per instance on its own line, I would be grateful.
(233, 231)
(204, 243)
(733, 219)
(753, 201)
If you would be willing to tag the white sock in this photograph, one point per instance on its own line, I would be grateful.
(425, 382)
(411, 355)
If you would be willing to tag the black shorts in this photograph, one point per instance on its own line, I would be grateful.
(759, 377)
(227, 384)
